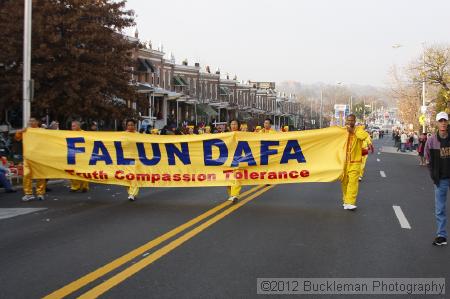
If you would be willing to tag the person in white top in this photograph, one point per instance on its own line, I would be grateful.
(403, 140)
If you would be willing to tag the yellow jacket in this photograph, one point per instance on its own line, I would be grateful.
(367, 142)
(271, 131)
(355, 145)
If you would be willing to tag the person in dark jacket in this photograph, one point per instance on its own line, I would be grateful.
(437, 153)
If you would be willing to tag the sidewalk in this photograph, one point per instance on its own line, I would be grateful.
(393, 150)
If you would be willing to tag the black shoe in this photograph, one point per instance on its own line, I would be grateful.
(439, 241)
(72, 190)
(48, 190)
(11, 191)
(84, 190)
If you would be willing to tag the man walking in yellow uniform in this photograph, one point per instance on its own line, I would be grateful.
(235, 190)
(268, 127)
(27, 176)
(350, 182)
(133, 190)
(77, 185)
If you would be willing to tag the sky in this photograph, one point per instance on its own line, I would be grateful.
(309, 41)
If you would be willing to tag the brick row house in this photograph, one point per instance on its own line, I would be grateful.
(178, 94)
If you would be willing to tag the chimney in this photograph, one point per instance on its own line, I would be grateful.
(217, 71)
(185, 62)
(197, 64)
(136, 33)
(208, 70)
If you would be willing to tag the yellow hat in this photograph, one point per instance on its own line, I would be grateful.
(154, 131)
(190, 127)
(258, 128)
(207, 127)
(286, 128)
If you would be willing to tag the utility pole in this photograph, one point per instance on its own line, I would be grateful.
(27, 63)
(423, 84)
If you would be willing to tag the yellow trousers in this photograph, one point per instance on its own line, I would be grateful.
(234, 190)
(350, 183)
(79, 185)
(133, 191)
(28, 182)
(363, 165)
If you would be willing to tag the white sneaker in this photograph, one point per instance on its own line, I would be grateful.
(233, 199)
(28, 197)
(349, 207)
(360, 178)
(131, 198)
(40, 197)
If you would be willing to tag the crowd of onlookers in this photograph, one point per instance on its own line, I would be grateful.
(410, 141)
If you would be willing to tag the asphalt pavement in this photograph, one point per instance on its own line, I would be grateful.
(165, 246)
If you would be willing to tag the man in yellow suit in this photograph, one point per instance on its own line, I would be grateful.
(133, 190)
(77, 185)
(350, 183)
(27, 176)
(235, 190)
(268, 127)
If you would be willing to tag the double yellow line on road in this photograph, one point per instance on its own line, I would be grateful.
(133, 269)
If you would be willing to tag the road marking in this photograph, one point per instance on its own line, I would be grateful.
(138, 266)
(94, 275)
(401, 217)
(378, 160)
(383, 175)
(13, 212)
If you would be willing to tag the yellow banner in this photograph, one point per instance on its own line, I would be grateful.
(188, 160)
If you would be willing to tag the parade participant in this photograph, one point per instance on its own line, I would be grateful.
(268, 127)
(437, 152)
(235, 190)
(190, 130)
(366, 146)
(244, 128)
(207, 130)
(133, 190)
(154, 131)
(27, 175)
(353, 162)
(285, 129)
(77, 185)
(257, 129)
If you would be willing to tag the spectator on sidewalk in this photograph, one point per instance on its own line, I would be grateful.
(4, 180)
(437, 152)
(415, 141)
(396, 137)
(421, 148)
(403, 141)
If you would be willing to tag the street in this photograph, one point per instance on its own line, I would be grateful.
(138, 249)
